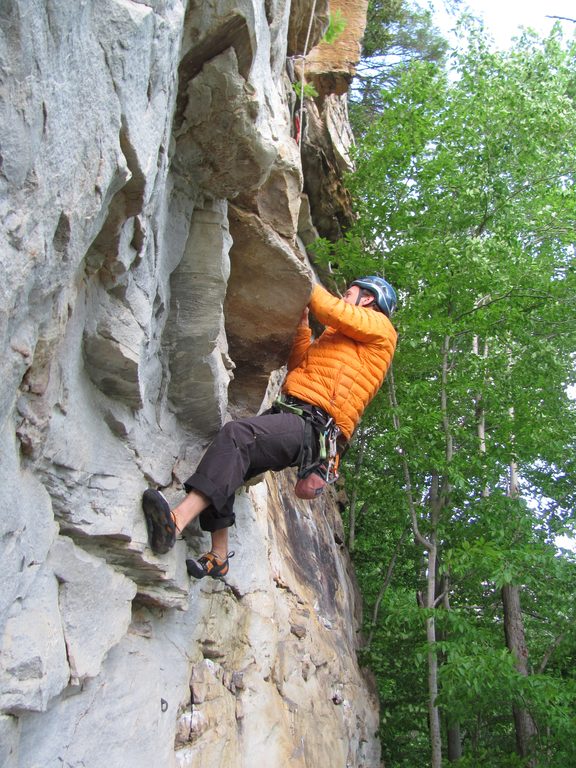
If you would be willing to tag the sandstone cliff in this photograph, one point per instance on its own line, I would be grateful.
(154, 205)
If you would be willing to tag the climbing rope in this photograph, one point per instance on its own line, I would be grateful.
(302, 80)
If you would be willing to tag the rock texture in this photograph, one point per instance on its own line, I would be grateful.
(331, 66)
(154, 205)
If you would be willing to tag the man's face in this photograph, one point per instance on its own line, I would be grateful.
(351, 296)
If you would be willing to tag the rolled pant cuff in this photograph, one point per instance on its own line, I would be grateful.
(205, 486)
(210, 522)
(212, 518)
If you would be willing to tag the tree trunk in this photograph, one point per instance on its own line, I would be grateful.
(453, 736)
(454, 741)
(439, 499)
(433, 711)
(516, 640)
(516, 644)
(480, 412)
(429, 544)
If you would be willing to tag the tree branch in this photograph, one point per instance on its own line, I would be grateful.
(406, 469)
(386, 584)
(439, 599)
(549, 651)
(504, 296)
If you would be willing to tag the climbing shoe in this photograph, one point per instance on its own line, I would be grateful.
(159, 521)
(208, 565)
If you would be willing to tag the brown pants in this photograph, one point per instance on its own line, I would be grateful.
(243, 449)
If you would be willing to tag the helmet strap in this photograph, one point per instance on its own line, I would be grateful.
(360, 297)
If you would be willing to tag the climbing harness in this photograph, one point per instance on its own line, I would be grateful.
(317, 467)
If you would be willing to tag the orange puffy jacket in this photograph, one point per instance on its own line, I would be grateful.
(342, 370)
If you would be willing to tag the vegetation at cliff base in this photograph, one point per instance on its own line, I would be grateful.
(462, 476)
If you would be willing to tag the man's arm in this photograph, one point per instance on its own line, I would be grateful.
(301, 341)
(359, 323)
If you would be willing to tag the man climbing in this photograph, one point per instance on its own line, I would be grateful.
(330, 382)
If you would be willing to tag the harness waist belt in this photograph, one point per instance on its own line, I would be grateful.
(318, 413)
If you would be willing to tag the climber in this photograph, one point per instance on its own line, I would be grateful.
(329, 383)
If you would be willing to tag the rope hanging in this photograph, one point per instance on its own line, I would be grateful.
(302, 82)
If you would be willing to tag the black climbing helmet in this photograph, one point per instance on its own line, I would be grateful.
(384, 294)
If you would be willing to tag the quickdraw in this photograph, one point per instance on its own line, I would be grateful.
(333, 455)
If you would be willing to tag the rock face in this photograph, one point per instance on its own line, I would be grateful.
(153, 217)
(331, 66)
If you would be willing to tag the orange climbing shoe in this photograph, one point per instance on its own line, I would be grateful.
(208, 565)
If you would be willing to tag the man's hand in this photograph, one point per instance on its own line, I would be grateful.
(304, 317)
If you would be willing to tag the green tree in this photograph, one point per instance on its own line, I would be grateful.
(397, 33)
(467, 200)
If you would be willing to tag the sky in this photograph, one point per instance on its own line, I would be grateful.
(503, 18)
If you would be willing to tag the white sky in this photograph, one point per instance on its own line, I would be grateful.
(503, 18)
